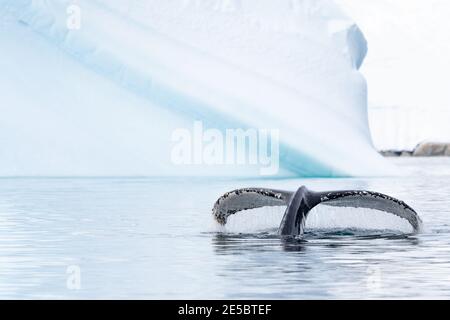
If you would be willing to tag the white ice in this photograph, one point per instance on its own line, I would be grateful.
(105, 99)
(407, 69)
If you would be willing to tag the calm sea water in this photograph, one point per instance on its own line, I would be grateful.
(155, 238)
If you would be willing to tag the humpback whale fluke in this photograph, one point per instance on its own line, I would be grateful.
(299, 204)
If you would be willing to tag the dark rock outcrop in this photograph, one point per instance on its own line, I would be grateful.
(430, 149)
(424, 149)
(396, 153)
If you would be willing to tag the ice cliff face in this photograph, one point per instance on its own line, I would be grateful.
(407, 69)
(103, 87)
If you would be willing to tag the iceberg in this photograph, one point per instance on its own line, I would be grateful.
(409, 100)
(101, 88)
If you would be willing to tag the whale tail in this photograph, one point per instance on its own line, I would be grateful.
(300, 203)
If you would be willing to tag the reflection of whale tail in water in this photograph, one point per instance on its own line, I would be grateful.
(300, 203)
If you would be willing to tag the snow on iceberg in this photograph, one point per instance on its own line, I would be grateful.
(105, 97)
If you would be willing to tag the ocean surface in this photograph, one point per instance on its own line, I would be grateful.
(155, 238)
